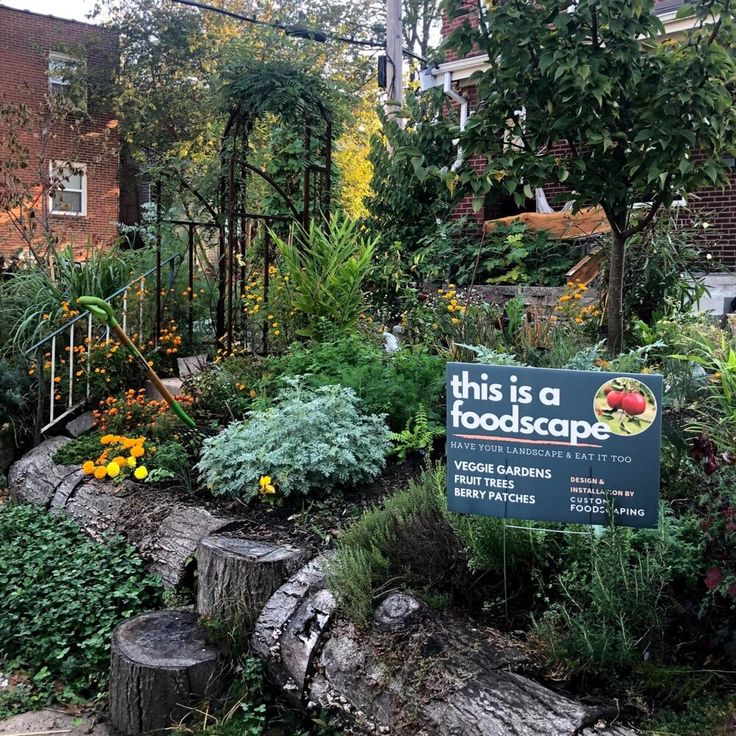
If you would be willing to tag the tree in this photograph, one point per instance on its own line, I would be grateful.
(643, 119)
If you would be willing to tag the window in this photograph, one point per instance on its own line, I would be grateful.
(68, 189)
(61, 69)
(64, 80)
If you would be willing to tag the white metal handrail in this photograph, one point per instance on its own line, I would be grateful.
(67, 336)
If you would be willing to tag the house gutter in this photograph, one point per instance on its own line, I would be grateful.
(429, 78)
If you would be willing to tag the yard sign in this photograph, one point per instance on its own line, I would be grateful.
(553, 445)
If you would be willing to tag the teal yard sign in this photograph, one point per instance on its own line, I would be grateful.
(554, 445)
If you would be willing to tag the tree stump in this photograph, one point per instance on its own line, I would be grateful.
(161, 662)
(237, 576)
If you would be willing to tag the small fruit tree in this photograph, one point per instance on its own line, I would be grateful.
(633, 108)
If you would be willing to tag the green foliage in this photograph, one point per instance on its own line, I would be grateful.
(221, 393)
(79, 450)
(326, 267)
(405, 209)
(618, 593)
(418, 436)
(511, 254)
(32, 298)
(312, 440)
(407, 543)
(703, 714)
(392, 384)
(596, 75)
(59, 607)
(661, 266)
(490, 544)
(15, 405)
(170, 464)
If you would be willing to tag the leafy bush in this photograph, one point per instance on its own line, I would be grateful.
(326, 267)
(510, 254)
(618, 595)
(407, 543)
(313, 439)
(395, 385)
(62, 594)
(15, 405)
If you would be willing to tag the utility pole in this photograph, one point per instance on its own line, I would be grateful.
(394, 57)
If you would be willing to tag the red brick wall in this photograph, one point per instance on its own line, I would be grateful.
(450, 24)
(25, 42)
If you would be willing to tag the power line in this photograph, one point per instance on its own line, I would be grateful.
(311, 34)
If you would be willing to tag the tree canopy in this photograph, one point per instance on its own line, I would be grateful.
(592, 95)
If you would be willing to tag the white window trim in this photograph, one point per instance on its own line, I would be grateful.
(60, 81)
(54, 166)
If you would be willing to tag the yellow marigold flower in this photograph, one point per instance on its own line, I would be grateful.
(565, 298)
(577, 296)
(113, 469)
(266, 486)
(100, 472)
(137, 451)
(107, 439)
(131, 462)
(88, 467)
(455, 320)
(120, 460)
(141, 472)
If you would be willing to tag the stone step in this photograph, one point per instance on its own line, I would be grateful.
(173, 384)
(191, 365)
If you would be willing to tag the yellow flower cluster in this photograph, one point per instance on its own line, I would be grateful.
(119, 456)
(454, 305)
(570, 304)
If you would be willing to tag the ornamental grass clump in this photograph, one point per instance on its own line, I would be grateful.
(312, 440)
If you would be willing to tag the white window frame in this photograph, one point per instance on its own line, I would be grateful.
(60, 81)
(55, 180)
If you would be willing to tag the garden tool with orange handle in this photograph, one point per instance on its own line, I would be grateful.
(102, 311)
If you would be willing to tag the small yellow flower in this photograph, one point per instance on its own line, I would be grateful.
(266, 486)
(120, 460)
(137, 451)
(277, 332)
(113, 469)
(141, 472)
(565, 298)
(131, 462)
(100, 472)
(88, 467)
(107, 439)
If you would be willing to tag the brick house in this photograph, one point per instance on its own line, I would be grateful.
(454, 76)
(69, 181)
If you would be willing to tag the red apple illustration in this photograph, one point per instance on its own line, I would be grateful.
(634, 404)
(614, 399)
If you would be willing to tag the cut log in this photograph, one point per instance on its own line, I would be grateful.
(35, 477)
(413, 672)
(292, 626)
(164, 527)
(237, 576)
(161, 663)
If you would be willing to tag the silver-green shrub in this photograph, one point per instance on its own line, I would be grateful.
(312, 439)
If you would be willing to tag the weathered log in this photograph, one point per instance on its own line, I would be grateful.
(292, 626)
(164, 527)
(237, 576)
(161, 663)
(35, 477)
(413, 672)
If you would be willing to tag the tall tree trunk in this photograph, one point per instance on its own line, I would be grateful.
(615, 292)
